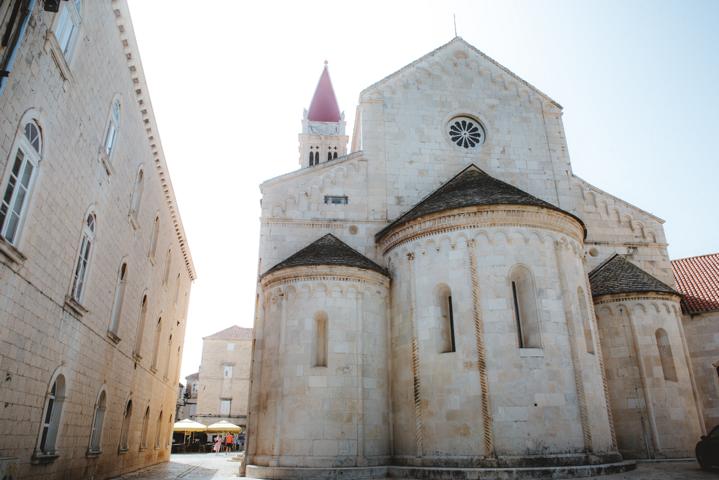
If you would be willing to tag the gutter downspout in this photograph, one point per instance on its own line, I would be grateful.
(7, 68)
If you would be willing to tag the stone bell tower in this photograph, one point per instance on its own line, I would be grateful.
(323, 136)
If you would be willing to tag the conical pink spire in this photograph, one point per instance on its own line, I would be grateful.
(323, 107)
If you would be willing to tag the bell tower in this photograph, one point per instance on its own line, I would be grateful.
(323, 136)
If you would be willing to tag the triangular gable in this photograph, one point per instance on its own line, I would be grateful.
(470, 187)
(232, 333)
(454, 41)
(618, 275)
(328, 250)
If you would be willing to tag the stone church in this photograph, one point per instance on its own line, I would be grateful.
(445, 292)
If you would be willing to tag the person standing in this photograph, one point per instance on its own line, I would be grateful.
(218, 444)
(229, 440)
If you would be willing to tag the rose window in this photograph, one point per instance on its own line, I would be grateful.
(466, 132)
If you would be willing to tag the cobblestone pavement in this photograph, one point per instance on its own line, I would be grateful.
(220, 467)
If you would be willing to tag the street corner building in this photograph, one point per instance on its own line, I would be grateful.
(448, 294)
(95, 269)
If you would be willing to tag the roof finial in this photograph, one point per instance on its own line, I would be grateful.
(454, 17)
(326, 63)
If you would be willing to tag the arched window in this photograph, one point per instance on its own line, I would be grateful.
(168, 443)
(137, 196)
(153, 239)
(329, 156)
(19, 181)
(319, 353)
(156, 349)
(140, 327)
(83, 258)
(67, 27)
(51, 419)
(168, 265)
(586, 320)
(167, 359)
(145, 428)
(334, 155)
(446, 318)
(665, 355)
(125, 430)
(113, 126)
(119, 299)
(158, 431)
(97, 422)
(524, 302)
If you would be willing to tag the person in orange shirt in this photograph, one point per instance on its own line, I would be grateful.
(229, 440)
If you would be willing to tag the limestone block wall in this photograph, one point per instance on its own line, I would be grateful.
(703, 343)
(404, 130)
(526, 402)
(654, 407)
(215, 386)
(311, 415)
(43, 336)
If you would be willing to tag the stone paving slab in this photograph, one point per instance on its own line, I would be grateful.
(220, 467)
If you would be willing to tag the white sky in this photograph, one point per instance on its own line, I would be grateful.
(229, 80)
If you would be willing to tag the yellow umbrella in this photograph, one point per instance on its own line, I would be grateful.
(188, 425)
(223, 426)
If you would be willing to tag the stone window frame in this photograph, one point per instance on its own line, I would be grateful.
(154, 238)
(141, 321)
(136, 198)
(69, 15)
(145, 429)
(522, 298)
(111, 133)
(85, 253)
(113, 330)
(449, 121)
(446, 319)
(31, 155)
(666, 355)
(51, 420)
(124, 443)
(94, 447)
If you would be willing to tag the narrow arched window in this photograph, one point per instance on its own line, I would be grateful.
(141, 327)
(97, 423)
(329, 156)
(319, 353)
(82, 266)
(167, 359)
(118, 301)
(145, 428)
(168, 265)
(153, 239)
(334, 155)
(113, 127)
(158, 431)
(156, 349)
(137, 196)
(524, 303)
(665, 355)
(125, 429)
(51, 419)
(19, 180)
(446, 319)
(586, 320)
(168, 443)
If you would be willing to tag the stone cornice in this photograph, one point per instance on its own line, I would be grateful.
(323, 273)
(482, 217)
(132, 57)
(631, 296)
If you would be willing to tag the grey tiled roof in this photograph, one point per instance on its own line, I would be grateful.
(619, 275)
(328, 250)
(470, 187)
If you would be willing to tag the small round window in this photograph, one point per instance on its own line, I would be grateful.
(466, 132)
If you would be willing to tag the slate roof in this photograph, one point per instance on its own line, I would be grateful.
(232, 333)
(328, 250)
(619, 275)
(698, 282)
(471, 187)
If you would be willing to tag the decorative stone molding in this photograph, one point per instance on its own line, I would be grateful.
(323, 273)
(481, 217)
(626, 297)
(132, 54)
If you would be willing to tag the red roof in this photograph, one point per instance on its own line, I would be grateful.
(323, 107)
(698, 282)
(232, 333)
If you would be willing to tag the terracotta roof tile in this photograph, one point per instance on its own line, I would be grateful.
(698, 282)
(232, 333)
(619, 275)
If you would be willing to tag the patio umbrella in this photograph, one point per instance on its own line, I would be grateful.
(223, 426)
(188, 426)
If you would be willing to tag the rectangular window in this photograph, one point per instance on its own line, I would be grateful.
(225, 406)
(227, 371)
(15, 196)
(64, 30)
(336, 199)
(230, 347)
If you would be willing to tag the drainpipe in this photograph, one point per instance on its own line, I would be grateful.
(13, 47)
